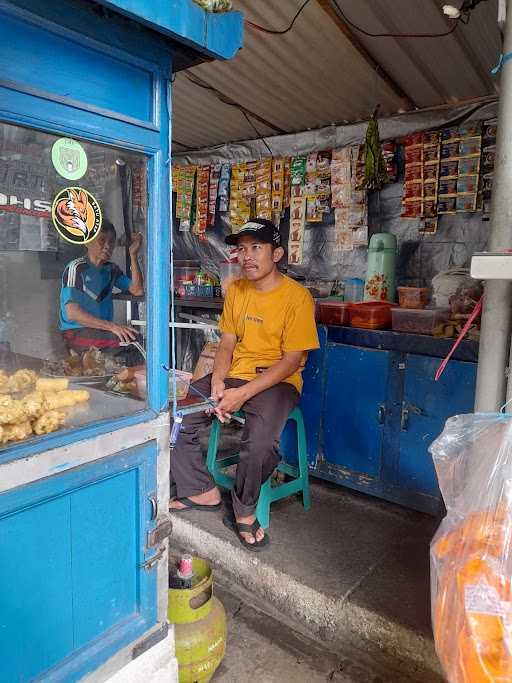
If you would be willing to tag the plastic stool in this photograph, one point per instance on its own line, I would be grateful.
(268, 493)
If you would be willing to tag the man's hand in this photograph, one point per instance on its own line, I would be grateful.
(135, 244)
(124, 332)
(217, 389)
(232, 401)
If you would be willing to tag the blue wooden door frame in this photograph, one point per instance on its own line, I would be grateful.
(33, 106)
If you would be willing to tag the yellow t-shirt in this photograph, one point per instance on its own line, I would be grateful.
(268, 324)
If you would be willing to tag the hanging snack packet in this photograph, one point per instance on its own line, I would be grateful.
(298, 170)
(225, 177)
(214, 188)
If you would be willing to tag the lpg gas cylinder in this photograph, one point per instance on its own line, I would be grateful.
(200, 623)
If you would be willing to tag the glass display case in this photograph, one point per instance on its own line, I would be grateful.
(73, 232)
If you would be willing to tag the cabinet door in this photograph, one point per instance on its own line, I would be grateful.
(426, 407)
(74, 589)
(355, 408)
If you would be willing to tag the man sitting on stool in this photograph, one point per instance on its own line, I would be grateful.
(268, 326)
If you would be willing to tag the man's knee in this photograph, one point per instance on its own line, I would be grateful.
(258, 446)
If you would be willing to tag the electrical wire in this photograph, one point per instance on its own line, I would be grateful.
(393, 35)
(282, 32)
(260, 136)
(231, 103)
(274, 32)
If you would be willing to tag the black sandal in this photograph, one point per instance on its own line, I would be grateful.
(238, 528)
(190, 505)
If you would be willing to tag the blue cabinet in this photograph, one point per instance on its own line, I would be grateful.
(372, 413)
(426, 405)
(355, 398)
(75, 586)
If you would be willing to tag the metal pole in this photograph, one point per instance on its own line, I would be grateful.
(497, 315)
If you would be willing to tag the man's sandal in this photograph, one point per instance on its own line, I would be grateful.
(238, 528)
(190, 505)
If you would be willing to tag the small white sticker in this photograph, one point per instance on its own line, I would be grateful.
(484, 599)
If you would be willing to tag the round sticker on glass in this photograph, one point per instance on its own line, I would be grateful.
(76, 215)
(69, 158)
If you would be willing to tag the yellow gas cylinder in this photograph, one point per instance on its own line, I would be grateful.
(200, 624)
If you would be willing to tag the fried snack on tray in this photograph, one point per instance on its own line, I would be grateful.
(65, 399)
(22, 380)
(91, 363)
(4, 382)
(16, 432)
(49, 422)
(34, 404)
(46, 384)
(11, 411)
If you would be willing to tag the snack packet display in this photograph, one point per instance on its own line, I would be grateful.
(471, 553)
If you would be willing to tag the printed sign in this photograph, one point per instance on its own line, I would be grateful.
(69, 158)
(76, 215)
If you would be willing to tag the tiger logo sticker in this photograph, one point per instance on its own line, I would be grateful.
(76, 215)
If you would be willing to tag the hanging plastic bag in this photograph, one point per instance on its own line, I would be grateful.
(471, 553)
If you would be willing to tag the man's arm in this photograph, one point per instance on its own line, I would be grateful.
(222, 364)
(137, 286)
(78, 315)
(233, 399)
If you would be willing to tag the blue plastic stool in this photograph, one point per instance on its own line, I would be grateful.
(268, 493)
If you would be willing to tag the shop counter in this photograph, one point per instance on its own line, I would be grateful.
(372, 409)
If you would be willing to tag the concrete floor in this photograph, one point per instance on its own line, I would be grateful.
(351, 573)
(260, 649)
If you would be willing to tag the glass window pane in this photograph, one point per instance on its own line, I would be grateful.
(69, 211)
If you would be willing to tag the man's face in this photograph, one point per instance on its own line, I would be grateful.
(258, 259)
(101, 249)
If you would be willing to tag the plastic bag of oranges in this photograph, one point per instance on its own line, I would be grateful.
(471, 553)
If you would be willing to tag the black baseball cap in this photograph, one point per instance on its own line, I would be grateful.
(261, 228)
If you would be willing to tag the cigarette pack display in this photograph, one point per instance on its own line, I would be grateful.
(431, 154)
(450, 151)
(448, 186)
(413, 189)
(469, 166)
(467, 184)
(413, 172)
(412, 209)
(470, 146)
(447, 205)
(430, 172)
(450, 134)
(449, 169)
(413, 140)
(466, 203)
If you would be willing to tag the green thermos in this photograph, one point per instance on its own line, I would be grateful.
(380, 279)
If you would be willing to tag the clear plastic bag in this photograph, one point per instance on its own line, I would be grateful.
(471, 553)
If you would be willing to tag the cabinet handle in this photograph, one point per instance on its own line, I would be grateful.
(154, 506)
(404, 417)
(381, 414)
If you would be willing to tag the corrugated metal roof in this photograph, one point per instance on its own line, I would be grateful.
(314, 75)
